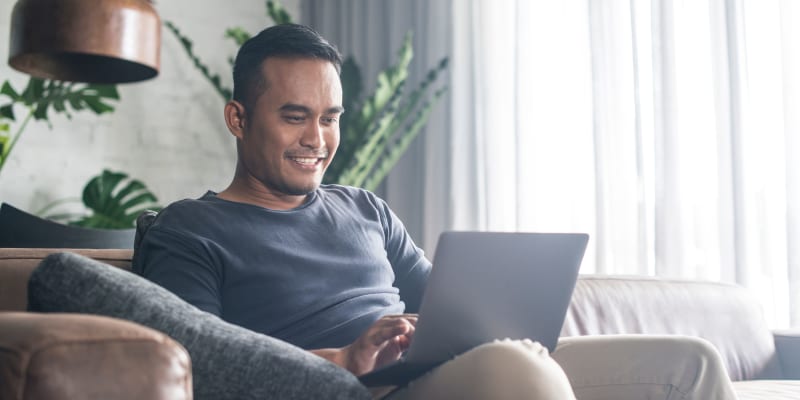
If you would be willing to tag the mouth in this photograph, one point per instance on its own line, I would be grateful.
(308, 161)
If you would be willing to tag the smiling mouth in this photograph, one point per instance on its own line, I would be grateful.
(307, 161)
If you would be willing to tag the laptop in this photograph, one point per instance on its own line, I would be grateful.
(485, 286)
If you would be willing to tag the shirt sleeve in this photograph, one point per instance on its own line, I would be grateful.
(411, 267)
(183, 265)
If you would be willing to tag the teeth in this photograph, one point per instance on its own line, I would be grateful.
(306, 160)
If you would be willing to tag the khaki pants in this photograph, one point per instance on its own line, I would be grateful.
(618, 367)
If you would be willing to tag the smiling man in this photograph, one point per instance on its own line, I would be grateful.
(319, 266)
(332, 270)
(287, 132)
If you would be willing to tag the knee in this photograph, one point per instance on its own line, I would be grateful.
(515, 368)
(510, 355)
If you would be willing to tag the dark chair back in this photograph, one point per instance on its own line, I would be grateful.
(21, 229)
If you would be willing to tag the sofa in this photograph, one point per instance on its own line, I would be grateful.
(763, 364)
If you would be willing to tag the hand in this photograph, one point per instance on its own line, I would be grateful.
(381, 344)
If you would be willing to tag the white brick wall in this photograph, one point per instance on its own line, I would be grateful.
(167, 131)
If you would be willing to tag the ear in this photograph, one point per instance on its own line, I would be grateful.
(235, 118)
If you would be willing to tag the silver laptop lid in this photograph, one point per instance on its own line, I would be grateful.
(496, 285)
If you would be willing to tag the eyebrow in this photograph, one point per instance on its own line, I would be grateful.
(303, 109)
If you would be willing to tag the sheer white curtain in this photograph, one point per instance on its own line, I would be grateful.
(665, 129)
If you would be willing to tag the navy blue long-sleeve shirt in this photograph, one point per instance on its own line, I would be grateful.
(316, 276)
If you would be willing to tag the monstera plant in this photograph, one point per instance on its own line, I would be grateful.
(377, 128)
(112, 199)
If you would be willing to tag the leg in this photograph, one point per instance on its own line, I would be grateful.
(505, 369)
(619, 367)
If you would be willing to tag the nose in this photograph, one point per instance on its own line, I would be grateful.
(313, 136)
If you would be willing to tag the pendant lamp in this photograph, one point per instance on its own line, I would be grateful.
(94, 41)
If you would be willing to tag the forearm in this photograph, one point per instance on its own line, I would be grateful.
(335, 356)
(344, 358)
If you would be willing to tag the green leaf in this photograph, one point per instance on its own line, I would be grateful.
(239, 35)
(97, 193)
(97, 105)
(7, 111)
(4, 139)
(143, 198)
(132, 187)
(278, 14)
(115, 201)
(75, 103)
(106, 91)
(399, 148)
(9, 91)
(34, 90)
(58, 105)
(41, 109)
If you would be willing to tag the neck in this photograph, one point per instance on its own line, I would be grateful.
(246, 189)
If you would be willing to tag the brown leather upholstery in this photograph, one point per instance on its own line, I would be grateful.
(16, 266)
(70, 356)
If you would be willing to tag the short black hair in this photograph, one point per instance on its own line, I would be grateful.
(285, 40)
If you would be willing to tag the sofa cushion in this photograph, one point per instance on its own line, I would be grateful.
(229, 362)
(724, 314)
(16, 266)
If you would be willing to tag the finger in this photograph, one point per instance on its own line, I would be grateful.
(395, 319)
(399, 316)
(401, 327)
(388, 331)
(408, 317)
(403, 341)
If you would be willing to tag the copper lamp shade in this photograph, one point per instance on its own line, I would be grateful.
(95, 41)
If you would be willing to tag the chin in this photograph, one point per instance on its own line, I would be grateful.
(301, 190)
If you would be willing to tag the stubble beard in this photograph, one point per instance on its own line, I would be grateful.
(297, 189)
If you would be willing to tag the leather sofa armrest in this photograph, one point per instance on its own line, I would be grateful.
(71, 356)
(787, 346)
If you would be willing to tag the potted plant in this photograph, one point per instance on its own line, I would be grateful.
(111, 199)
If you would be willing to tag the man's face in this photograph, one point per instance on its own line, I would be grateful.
(291, 131)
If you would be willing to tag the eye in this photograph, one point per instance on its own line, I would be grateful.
(329, 120)
(294, 119)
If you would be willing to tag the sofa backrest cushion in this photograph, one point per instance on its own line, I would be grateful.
(725, 314)
(16, 266)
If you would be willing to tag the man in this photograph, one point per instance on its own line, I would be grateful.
(331, 269)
